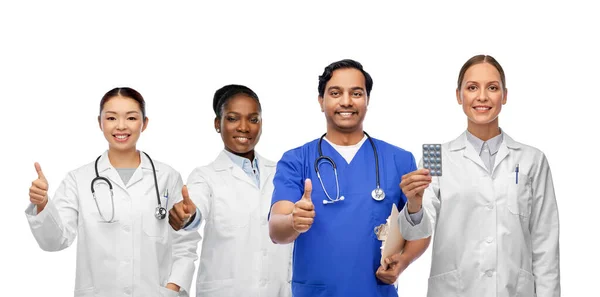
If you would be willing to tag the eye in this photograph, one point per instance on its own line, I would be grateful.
(132, 118)
(493, 88)
(110, 118)
(357, 94)
(231, 119)
(472, 88)
(334, 93)
(254, 120)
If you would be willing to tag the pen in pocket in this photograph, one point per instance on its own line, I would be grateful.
(517, 174)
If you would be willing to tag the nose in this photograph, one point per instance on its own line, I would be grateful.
(244, 126)
(345, 100)
(483, 95)
(121, 124)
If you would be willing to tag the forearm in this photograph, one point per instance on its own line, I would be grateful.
(281, 229)
(413, 249)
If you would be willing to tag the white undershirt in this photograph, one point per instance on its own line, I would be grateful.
(347, 151)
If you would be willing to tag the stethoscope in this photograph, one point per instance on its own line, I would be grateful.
(160, 212)
(378, 194)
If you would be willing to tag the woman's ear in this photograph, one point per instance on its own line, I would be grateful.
(217, 124)
(146, 119)
(458, 98)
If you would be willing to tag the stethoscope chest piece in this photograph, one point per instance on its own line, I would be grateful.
(160, 213)
(378, 194)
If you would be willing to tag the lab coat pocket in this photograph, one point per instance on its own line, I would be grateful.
(519, 194)
(155, 228)
(301, 290)
(166, 292)
(445, 284)
(525, 287)
(218, 288)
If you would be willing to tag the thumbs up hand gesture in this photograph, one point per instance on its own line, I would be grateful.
(304, 210)
(38, 192)
(181, 212)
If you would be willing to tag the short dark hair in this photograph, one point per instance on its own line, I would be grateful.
(478, 60)
(346, 63)
(127, 93)
(224, 94)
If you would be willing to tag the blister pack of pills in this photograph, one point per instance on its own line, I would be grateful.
(432, 159)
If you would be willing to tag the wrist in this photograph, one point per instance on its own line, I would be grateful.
(290, 218)
(42, 205)
(172, 286)
(414, 207)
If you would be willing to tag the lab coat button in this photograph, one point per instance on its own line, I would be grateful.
(263, 282)
(490, 273)
(489, 239)
(490, 206)
(126, 228)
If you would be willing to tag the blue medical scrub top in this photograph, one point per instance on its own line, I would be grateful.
(340, 253)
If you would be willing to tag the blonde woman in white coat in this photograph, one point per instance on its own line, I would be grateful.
(233, 196)
(124, 248)
(494, 212)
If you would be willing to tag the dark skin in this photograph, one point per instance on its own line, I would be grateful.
(240, 127)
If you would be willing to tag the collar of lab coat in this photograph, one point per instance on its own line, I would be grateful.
(265, 167)
(460, 143)
(106, 169)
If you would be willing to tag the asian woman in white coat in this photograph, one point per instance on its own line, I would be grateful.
(125, 245)
(232, 195)
(494, 212)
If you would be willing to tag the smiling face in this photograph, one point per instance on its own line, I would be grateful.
(122, 122)
(345, 100)
(240, 125)
(482, 95)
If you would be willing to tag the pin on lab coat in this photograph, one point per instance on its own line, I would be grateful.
(135, 256)
(492, 235)
(238, 257)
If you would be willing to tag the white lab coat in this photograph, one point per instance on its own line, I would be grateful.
(492, 236)
(238, 257)
(135, 256)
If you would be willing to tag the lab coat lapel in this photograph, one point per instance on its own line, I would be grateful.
(145, 167)
(106, 169)
(223, 162)
(468, 150)
(505, 147)
(266, 168)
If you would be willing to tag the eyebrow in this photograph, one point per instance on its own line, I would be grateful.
(340, 88)
(129, 112)
(491, 82)
(237, 113)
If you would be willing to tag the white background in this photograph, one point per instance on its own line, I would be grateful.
(57, 59)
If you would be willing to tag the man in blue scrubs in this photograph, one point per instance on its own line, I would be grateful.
(331, 219)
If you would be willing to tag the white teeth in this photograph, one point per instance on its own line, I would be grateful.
(483, 108)
(345, 114)
(121, 136)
